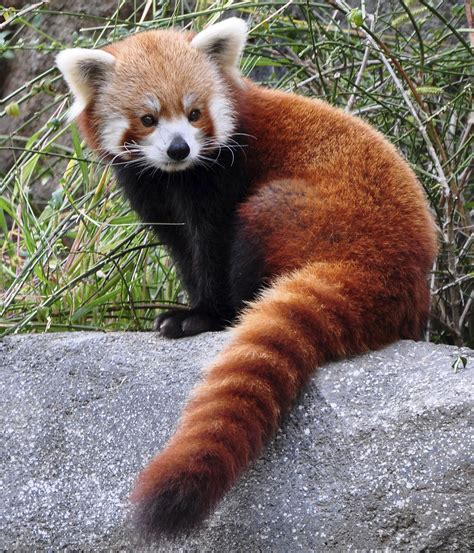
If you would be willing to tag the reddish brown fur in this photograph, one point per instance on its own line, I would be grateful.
(361, 287)
(348, 242)
(137, 59)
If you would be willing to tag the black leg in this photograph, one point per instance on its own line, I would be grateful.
(180, 323)
(247, 273)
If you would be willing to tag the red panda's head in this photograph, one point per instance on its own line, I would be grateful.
(160, 97)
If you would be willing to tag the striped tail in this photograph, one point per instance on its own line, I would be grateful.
(318, 313)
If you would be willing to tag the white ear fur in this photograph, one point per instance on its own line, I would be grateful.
(82, 70)
(224, 41)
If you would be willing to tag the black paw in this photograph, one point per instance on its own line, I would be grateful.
(179, 323)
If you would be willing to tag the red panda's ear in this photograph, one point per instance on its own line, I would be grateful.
(223, 42)
(84, 71)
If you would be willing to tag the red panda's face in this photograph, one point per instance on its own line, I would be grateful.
(158, 99)
(164, 108)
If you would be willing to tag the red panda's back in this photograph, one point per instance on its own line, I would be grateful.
(330, 187)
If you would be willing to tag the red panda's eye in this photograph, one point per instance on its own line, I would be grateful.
(148, 120)
(194, 115)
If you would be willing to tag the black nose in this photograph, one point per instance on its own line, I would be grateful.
(178, 149)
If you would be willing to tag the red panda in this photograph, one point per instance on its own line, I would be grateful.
(299, 222)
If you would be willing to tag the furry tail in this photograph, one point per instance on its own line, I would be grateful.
(321, 312)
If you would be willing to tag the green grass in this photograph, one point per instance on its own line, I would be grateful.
(83, 261)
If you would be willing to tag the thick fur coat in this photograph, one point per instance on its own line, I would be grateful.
(300, 222)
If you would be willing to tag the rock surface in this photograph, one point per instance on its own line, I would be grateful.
(374, 455)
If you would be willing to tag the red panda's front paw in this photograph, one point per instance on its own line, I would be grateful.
(179, 323)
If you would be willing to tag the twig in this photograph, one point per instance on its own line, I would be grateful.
(272, 16)
(432, 285)
(465, 248)
(470, 20)
(453, 283)
(363, 65)
(465, 313)
(145, 11)
(443, 181)
(22, 12)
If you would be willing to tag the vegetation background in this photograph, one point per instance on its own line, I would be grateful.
(74, 257)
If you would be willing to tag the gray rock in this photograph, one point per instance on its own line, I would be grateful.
(374, 455)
